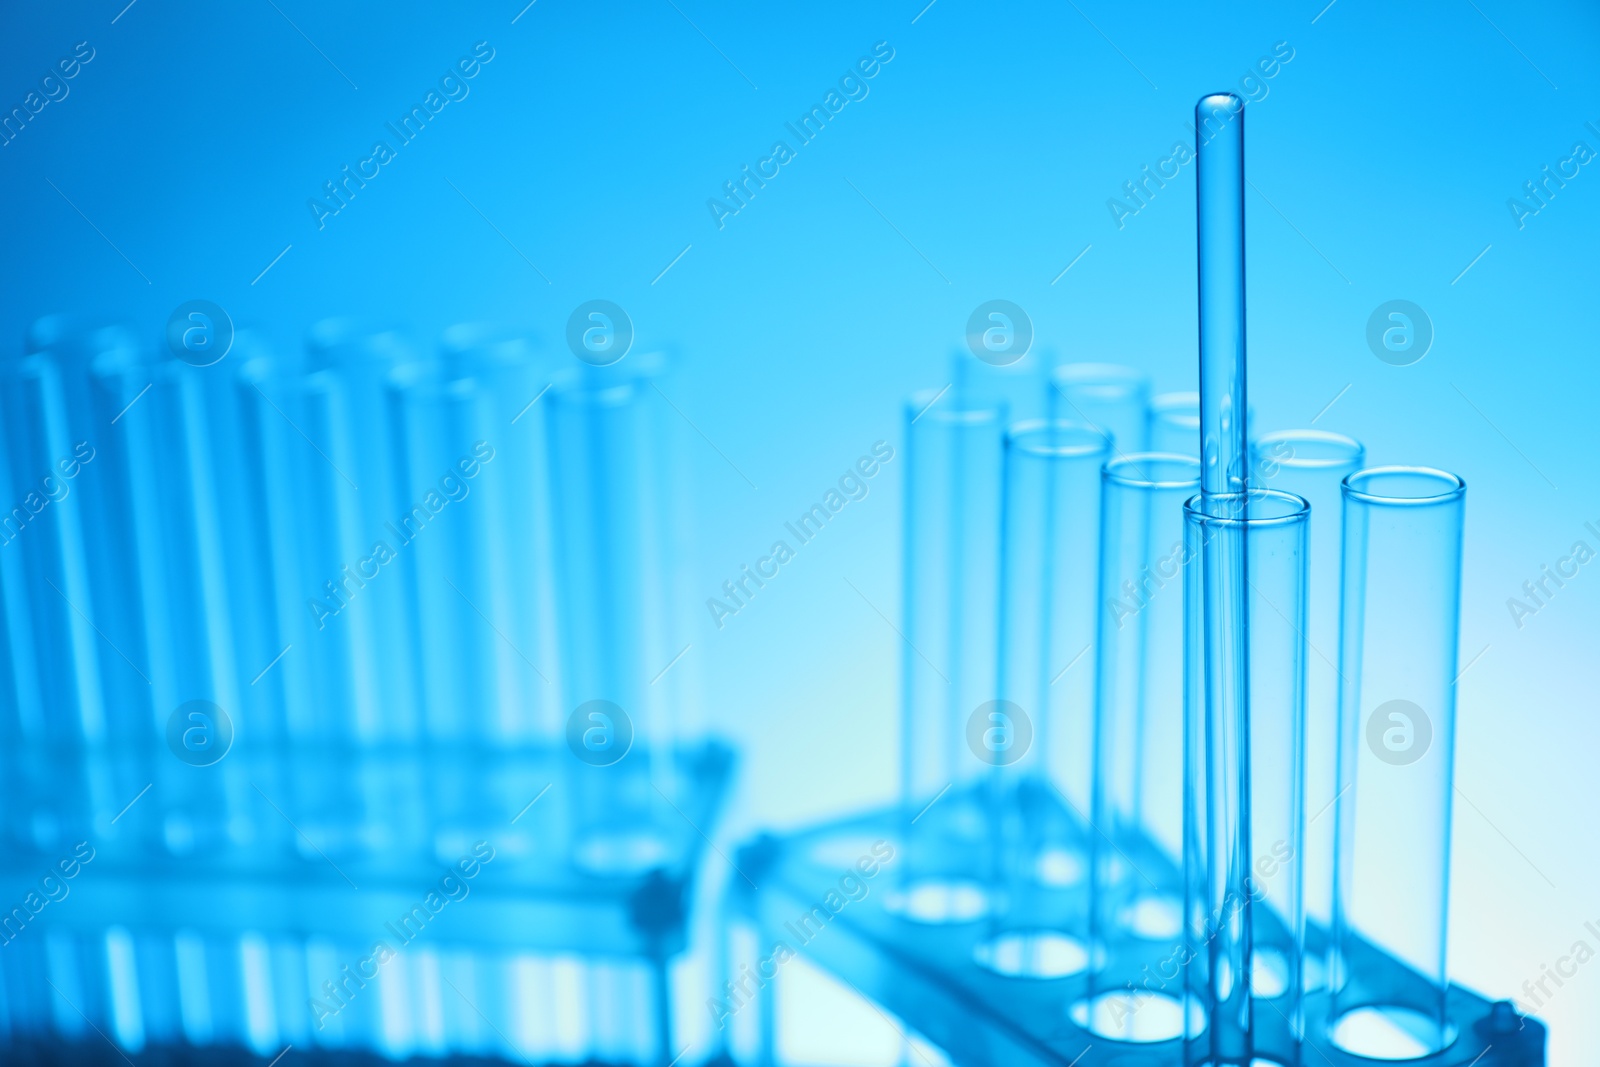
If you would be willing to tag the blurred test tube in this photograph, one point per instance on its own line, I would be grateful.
(510, 384)
(1037, 734)
(607, 487)
(1113, 398)
(353, 478)
(95, 366)
(1049, 540)
(950, 605)
(1313, 464)
(1138, 801)
(1175, 423)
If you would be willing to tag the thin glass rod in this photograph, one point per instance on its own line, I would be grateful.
(1219, 216)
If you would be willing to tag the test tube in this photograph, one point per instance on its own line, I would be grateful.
(1225, 759)
(1175, 423)
(294, 418)
(1038, 735)
(444, 441)
(1021, 385)
(176, 523)
(55, 708)
(56, 664)
(1113, 398)
(469, 442)
(1138, 794)
(604, 427)
(266, 593)
(94, 367)
(1397, 711)
(344, 401)
(144, 593)
(1312, 464)
(950, 603)
(1050, 531)
(1243, 719)
(509, 383)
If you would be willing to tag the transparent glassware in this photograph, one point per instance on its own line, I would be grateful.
(476, 574)
(340, 405)
(1109, 396)
(1049, 541)
(1175, 423)
(1244, 666)
(950, 600)
(1400, 619)
(1037, 734)
(1219, 229)
(1138, 783)
(608, 477)
(1022, 386)
(507, 377)
(1313, 464)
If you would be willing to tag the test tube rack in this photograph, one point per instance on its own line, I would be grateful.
(400, 778)
(927, 974)
(309, 872)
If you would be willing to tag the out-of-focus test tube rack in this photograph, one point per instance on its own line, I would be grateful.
(269, 940)
(318, 739)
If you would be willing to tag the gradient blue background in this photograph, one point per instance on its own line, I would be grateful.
(1387, 148)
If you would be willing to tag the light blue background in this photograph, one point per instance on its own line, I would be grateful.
(1388, 145)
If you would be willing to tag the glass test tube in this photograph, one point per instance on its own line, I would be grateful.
(174, 499)
(293, 420)
(1313, 464)
(604, 427)
(1175, 423)
(212, 620)
(1114, 398)
(266, 595)
(56, 665)
(950, 604)
(57, 708)
(119, 553)
(301, 727)
(438, 536)
(1038, 735)
(509, 380)
(1243, 923)
(343, 399)
(1048, 546)
(1397, 711)
(1021, 386)
(93, 365)
(1138, 798)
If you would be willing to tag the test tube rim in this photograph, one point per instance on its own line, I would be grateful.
(1091, 442)
(1111, 472)
(1299, 509)
(343, 342)
(1128, 380)
(1178, 404)
(924, 403)
(1457, 486)
(578, 390)
(1355, 450)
